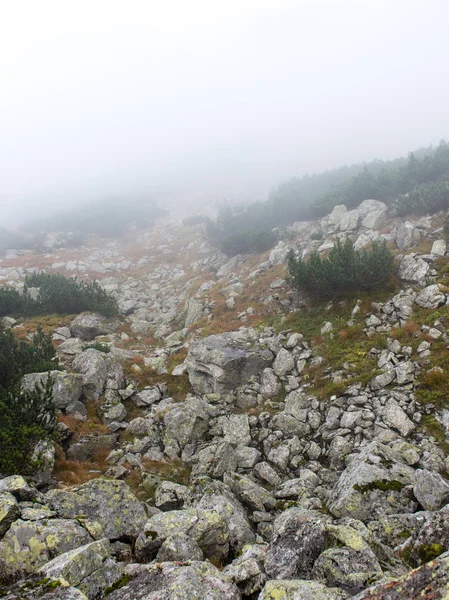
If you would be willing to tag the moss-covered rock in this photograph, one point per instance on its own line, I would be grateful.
(429, 581)
(27, 545)
(376, 483)
(106, 507)
(299, 588)
(177, 581)
(206, 527)
(9, 511)
(37, 588)
(88, 567)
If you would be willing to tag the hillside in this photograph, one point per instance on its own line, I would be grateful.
(225, 436)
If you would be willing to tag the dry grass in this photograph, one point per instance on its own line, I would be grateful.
(178, 387)
(92, 425)
(48, 323)
(71, 472)
(170, 469)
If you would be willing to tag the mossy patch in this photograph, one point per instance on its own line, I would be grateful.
(381, 484)
(117, 585)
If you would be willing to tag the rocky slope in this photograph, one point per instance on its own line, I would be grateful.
(236, 442)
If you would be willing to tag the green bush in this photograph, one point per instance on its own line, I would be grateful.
(105, 218)
(427, 198)
(26, 417)
(57, 294)
(195, 220)
(18, 358)
(344, 272)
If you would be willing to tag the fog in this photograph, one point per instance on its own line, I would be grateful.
(209, 98)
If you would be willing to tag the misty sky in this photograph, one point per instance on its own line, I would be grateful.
(103, 97)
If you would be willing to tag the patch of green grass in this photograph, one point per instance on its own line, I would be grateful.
(434, 428)
(428, 552)
(382, 484)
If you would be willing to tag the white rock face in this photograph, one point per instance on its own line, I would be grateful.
(350, 221)
(337, 215)
(413, 269)
(431, 297)
(439, 247)
(397, 419)
(407, 236)
(278, 254)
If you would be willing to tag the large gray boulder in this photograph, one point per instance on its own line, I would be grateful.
(431, 581)
(431, 490)
(278, 254)
(19, 488)
(396, 418)
(177, 581)
(375, 483)
(349, 562)
(67, 387)
(185, 423)
(90, 568)
(28, 545)
(350, 220)
(220, 363)
(99, 371)
(194, 310)
(209, 494)
(407, 236)
(251, 494)
(431, 297)
(373, 213)
(107, 507)
(298, 539)
(413, 270)
(9, 511)
(337, 214)
(300, 589)
(89, 326)
(206, 527)
(439, 247)
(44, 589)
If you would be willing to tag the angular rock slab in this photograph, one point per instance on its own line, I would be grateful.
(298, 539)
(177, 581)
(108, 508)
(300, 589)
(88, 568)
(36, 588)
(375, 483)
(431, 581)
(28, 545)
(220, 363)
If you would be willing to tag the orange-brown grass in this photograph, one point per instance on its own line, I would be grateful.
(171, 469)
(92, 425)
(48, 323)
(178, 387)
(409, 330)
(71, 472)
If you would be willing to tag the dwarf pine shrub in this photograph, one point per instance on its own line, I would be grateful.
(344, 272)
(57, 294)
(25, 416)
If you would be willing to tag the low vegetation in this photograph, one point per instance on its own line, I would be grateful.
(344, 272)
(417, 185)
(105, 218)
(57, 294)
(26, 416)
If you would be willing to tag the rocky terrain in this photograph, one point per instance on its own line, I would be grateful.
(224, 438)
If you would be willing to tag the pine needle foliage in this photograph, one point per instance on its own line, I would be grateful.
(57, 294)
(344, 272)
(26, 416)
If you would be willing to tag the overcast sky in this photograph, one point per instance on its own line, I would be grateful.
(103, 97)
